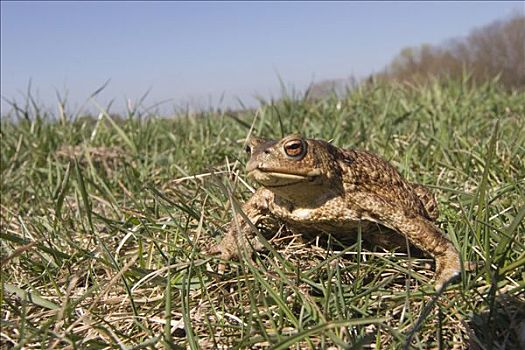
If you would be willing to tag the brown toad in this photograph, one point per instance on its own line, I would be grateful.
(313, 186)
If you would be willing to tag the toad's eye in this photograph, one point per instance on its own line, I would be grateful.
(248, 149)
(295, 148)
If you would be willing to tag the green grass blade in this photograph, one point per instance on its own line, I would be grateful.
(30, 296)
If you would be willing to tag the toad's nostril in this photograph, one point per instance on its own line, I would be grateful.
(267, 151)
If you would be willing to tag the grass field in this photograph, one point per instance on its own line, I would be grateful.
(103, 224)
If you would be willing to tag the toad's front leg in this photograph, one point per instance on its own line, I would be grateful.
(241, 236)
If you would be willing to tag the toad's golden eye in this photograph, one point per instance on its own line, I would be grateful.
(295, 148)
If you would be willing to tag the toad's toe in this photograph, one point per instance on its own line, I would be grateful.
(448, 272)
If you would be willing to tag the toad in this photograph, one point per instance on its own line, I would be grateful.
(312, 186)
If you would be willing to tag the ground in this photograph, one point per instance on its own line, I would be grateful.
(104, 221)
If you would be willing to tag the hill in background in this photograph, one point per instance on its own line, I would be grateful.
(495, 49)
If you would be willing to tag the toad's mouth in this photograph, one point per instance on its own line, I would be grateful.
(272, 178)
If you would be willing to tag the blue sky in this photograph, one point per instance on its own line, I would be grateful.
(195, 52)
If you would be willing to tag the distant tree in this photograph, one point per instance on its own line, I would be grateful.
(496, 49)
(325, 88)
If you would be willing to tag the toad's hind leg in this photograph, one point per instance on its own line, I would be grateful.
(428, 200)
(419, 230)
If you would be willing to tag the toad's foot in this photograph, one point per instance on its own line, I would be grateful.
(225, 252)
(234, 246)
(448, 268)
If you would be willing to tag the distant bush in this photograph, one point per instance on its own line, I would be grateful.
(495, 49)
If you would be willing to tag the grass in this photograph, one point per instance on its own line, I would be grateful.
(104, 221)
